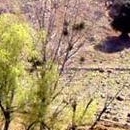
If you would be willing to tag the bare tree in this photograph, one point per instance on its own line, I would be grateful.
(60, 27)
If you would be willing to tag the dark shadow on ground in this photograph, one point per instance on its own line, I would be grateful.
(113, 44)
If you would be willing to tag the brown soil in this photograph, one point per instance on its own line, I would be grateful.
(94, 58)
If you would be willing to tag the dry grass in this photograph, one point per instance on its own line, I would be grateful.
(97, 29)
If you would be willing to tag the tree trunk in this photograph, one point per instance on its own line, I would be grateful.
(7, 123)
(7, 120)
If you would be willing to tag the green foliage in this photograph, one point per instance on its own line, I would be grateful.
(33, 92)
(41, 35)
(40, 97)
(15, 42)
(15, 38)
(89, 114)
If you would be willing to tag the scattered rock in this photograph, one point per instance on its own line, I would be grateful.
(128, 115)
(128, 120)
(108, 111)
(120, 98)
(101, 70)
(107, 116)
(102, 95)
(126, 126)
(109, 71)
(115, 119)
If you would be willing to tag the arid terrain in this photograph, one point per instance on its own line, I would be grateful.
(102, 66)
(105, 68)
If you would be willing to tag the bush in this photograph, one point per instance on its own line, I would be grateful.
(15, 41)
(120, 13)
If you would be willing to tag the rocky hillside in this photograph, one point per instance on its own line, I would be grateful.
(102, 64)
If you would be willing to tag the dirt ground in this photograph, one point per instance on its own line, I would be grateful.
(106, 63)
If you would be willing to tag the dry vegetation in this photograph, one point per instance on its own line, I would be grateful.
(90, 74)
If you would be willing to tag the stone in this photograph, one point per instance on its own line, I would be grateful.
(115, 119)
(102, 95)
(128, 115)
(107, 116)
(120, 98)
(128, 120)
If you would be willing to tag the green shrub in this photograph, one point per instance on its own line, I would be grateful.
(15, 46)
